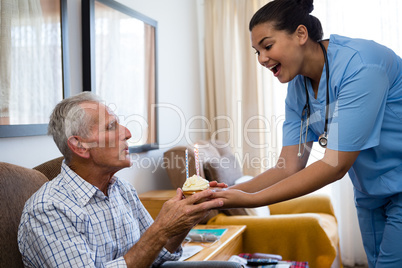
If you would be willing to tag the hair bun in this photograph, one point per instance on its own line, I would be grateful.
(306, 5)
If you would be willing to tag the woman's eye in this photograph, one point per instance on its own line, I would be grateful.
(257, 52)
(268, 47)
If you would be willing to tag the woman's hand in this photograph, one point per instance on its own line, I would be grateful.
(233, 198)
(217, 184)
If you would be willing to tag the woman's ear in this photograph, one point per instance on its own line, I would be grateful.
(302, 34)
(78, 147)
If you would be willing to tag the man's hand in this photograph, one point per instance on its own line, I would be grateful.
(178, 215)
(176, 218)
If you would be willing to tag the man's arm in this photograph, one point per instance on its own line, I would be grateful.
(174, 221)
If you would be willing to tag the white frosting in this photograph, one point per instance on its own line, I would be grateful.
(195, 183)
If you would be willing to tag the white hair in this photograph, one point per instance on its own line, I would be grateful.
(70, 119)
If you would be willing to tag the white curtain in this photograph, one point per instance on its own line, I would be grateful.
(30, 52)
(240, 97)
(238, 89)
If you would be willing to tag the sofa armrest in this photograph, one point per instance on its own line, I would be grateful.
(315, 203)
(296, 237)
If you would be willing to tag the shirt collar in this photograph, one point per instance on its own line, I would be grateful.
(83, 189)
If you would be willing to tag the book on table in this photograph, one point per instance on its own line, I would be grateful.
(202, 236)
(205, 235)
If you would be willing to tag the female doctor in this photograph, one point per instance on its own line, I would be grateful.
(347, 94)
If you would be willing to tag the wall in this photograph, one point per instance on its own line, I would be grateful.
(178, 87)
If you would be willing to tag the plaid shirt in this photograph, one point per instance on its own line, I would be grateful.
(71, 223)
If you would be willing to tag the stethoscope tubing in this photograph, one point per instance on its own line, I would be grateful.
(323, 140)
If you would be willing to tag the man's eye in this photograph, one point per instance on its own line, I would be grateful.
(111, 126)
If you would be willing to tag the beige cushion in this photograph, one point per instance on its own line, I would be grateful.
(224, 169)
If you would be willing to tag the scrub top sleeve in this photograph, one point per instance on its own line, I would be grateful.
(291, 126)
(359, 110)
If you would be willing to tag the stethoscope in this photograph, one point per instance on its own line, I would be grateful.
(322, 140)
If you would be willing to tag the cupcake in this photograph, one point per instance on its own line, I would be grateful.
(194, 185)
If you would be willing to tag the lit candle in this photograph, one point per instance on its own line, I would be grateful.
(186, 163)
(197, 160)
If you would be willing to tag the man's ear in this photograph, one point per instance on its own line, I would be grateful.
(302, 34)
(78, 147)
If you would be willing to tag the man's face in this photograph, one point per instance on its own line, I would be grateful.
(108, 139)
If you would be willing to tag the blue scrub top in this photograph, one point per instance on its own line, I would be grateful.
(365, 94)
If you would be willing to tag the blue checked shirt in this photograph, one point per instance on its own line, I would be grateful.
(71, 223)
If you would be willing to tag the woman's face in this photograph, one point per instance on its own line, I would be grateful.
(278, 51)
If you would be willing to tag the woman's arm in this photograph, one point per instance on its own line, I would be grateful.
(332, 167)
(288, 164)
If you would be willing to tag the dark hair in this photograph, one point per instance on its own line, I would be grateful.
(288, 15)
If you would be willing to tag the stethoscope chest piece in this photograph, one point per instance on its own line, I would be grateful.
(323, 140)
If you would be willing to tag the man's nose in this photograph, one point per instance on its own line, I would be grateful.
(124, 131)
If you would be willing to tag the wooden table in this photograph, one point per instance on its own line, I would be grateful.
(231, 243)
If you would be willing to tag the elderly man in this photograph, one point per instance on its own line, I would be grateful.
(87, 217)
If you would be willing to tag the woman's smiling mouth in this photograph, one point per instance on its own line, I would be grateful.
(275, 69)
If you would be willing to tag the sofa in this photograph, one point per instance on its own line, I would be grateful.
(17, 184)
(301, 229)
